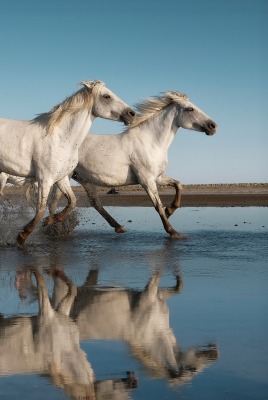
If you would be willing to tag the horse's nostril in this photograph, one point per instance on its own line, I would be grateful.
(212, 125)
(132, 113)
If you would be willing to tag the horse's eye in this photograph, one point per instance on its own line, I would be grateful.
(106, 96)
(189, 109)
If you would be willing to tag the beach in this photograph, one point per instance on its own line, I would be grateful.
(203, 195)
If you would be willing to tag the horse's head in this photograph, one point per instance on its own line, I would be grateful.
(193, 361)
(108, 105)
(190, 116)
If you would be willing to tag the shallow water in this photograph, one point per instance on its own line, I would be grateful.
(188, 318)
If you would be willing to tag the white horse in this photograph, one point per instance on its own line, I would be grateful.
(139, 155)
(46, 148)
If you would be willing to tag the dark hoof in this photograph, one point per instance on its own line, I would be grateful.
(120, 229)
(45, 221)
(176, 235)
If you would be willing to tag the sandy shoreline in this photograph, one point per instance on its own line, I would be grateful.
(215, 195)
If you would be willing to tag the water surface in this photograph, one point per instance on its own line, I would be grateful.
(137, 315)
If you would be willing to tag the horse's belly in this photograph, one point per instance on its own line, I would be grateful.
(105, 176)
(17, 166)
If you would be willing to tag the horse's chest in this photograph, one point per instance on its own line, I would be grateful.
(57, 160)
(158, 160)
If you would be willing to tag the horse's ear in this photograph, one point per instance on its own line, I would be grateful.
(91, 84)
(170, 96)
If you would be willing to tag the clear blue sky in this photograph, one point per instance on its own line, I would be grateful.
(214, 51)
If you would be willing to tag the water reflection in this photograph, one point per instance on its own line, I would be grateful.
(141, 319)
(49, 343)
(224, 270)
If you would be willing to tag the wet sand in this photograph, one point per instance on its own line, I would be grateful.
(213, 195)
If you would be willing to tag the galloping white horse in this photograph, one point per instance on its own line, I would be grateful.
(139, 155)
(46, 148)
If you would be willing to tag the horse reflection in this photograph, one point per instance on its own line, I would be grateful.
(141, 319)
(48, 344)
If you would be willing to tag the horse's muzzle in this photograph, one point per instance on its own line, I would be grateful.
(210, 128)
(128, 116)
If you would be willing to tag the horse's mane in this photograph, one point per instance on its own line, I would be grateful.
(80, 100)
(152, 106)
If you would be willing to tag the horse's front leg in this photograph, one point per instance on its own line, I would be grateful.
(53, 201)
(164, 180)
(168, 292)
(65, 187)
(151, 288)
(64, 291)
(45, 308)
(151, 189)
(43, 192)
(95, 202)
(31, 194)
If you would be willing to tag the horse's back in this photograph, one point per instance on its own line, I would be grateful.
(8, 123)
(16, 132)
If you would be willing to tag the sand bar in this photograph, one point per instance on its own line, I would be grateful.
(212, 195)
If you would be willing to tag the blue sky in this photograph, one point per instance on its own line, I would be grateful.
(214, 51)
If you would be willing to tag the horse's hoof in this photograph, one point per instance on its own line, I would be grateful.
(177, 235)
(120, 229)
(179, 285)
(48, 221)
(45, 221)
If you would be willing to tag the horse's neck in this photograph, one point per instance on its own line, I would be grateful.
(75, 127)
(163, 128)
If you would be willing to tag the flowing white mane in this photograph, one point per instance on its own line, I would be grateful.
(148, 108)
(80, 100)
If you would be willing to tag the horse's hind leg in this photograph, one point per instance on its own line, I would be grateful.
(64, 291)
(65, 187)
(55, 198)
(165, 180)
(43, 191)
(94, 200)
(45, 308)
(3, 182)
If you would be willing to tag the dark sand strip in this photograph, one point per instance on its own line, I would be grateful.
(235, 195)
